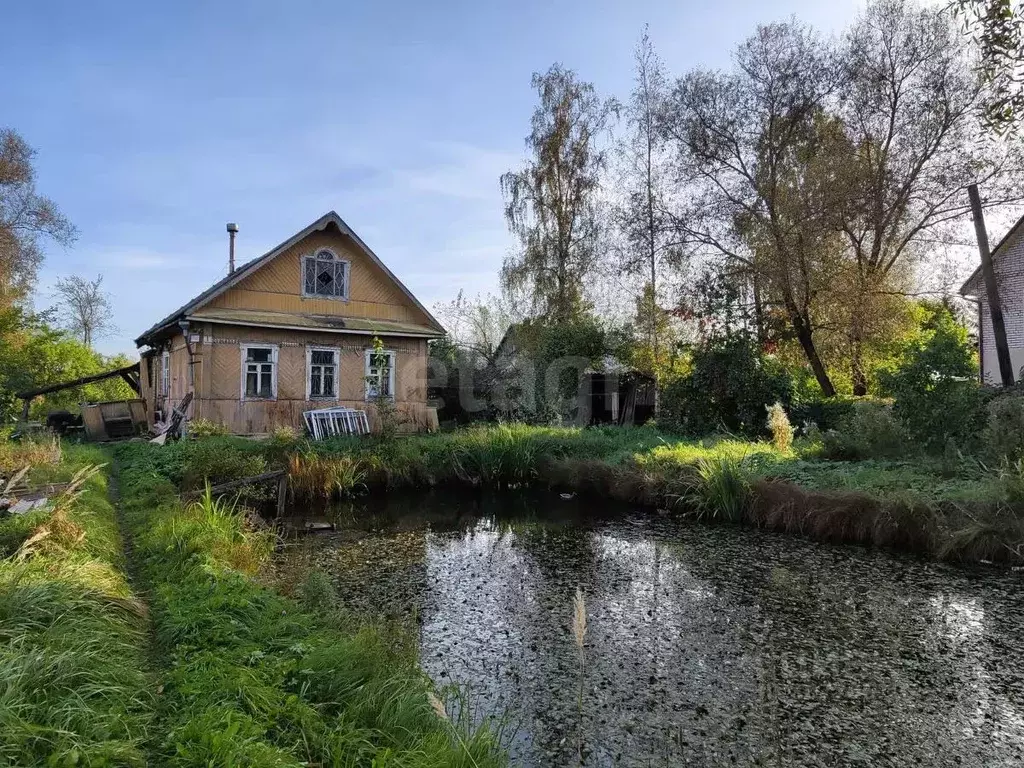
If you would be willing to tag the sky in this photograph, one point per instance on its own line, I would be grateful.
(157, 123)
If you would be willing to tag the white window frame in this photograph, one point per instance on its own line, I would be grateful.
(391, 372)
(347, 269)
(165, 374)
(336, 351)
(273, 371)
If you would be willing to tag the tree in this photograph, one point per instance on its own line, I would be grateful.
(641, 217)
(910, 106)
(550, 204)
(996, 26)
(735, 136)
(26, 219)
(85, 307)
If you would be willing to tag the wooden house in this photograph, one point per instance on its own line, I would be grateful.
(290, 331)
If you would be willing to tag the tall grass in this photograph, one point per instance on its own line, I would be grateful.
(722, 490)
(28, 452)
(73, 686)
(256, 679)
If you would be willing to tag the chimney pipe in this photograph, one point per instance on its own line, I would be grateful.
(232, 231)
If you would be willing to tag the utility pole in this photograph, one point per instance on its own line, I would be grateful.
(991, 289)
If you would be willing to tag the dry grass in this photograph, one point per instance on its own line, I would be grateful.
(28, 453)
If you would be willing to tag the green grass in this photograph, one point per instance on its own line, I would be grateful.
(253, 678)
(718, 478)
(73, 685)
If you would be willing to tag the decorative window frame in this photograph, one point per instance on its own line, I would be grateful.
(337, 260)
(391, 372)
(336, 351)
(165, 374)
(274, 353)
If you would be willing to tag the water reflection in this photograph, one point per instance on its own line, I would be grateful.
(706, 646)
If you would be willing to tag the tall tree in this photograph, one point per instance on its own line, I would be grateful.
(735, 136)
(997, 27)
(641, 216)
(551, 203)
(910, 104)
(26, 219)
(84, 307)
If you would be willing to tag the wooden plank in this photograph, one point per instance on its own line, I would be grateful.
(29, 394)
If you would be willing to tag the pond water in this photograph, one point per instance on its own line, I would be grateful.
(705, 645)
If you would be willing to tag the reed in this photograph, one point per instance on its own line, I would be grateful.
(579, 634)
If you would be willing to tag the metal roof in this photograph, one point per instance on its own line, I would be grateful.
(325, 323)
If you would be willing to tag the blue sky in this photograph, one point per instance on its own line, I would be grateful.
(156, 123)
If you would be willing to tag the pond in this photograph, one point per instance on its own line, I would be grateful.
(705, 645)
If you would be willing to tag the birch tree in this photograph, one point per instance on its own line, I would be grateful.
(551, 202)
(84, 307)
(641, 216)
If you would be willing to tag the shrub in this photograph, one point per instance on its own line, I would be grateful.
(782, 431)
(825, 413)
(1002, 439)
(936, 392)
(206, 428)
(869, 432)
(722, 490)
(728, 388)
(220, 461)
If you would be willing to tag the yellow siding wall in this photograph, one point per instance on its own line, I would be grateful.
(221, 360)
(277, 286)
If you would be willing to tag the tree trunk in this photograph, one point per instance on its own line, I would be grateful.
(806, 339)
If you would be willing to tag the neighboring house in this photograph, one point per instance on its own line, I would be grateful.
(290, 331)
(1008, 261)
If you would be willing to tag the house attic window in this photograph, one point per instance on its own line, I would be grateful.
(324, 274)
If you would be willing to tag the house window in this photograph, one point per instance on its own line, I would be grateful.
(165, 374)
(259, 372)
(324, 274)
(380, 374)
(321, 373)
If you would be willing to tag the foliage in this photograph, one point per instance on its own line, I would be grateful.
(728, 388)
(199, 428)
(722, 490)
(389, 417)
(543, 383)
(26, 220)
(995, 26)
(1002, 438)
(935, 388)
(551, 204)
(33, 355)
(826, 413)
(84, 308)
(781, 429)
(869, 431)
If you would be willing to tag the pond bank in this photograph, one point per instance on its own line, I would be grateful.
(253, 678)
(915, 507)
(706, 645)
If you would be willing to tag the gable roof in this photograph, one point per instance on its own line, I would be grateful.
(968, 288)
(232, 279)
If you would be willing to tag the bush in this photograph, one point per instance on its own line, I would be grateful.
(206, 428)
(782, 430)
(870, 431)
(825, 413)
(1002, 439)
(936, 391)
(723, 489)
(728, 388)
